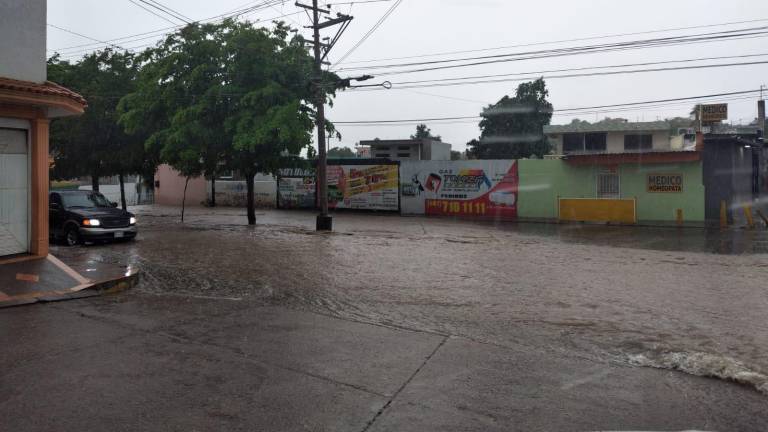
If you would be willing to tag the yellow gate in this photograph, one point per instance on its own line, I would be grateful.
(622, 211)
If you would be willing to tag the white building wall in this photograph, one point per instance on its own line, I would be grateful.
(438, 151)
(22, 39)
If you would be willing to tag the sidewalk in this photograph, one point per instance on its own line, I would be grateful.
(146, 362)
(29, 280)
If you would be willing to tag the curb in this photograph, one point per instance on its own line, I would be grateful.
(106, 287)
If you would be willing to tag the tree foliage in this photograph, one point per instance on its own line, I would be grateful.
(94, 144)
(513, 127)
(423, 132)
(341, 153)
(226, 94)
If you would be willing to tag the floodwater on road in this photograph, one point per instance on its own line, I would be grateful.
(685, 299)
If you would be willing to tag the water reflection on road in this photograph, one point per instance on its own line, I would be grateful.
(679, 298)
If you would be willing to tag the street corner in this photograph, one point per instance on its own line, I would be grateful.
(29, 280)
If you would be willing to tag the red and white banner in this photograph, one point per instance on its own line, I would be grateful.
(480, 189)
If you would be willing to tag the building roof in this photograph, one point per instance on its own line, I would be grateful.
(376, 143)
(45, 94)
(608, 127)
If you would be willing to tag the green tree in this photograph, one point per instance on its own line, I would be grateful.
(513, 127)
(226, 93)
(94, 144)
(341, 153)
(456, 155)
(676, 123)
(180, 103)
(423, 132)
(271, 72)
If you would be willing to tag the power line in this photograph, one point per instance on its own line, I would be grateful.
(562, 110)
(356, 2)
(438, 83)
(578, 69)
(474, 120)
(558, 52)
(81, 35)
(371, 31)
(165, 11)
(156, 33)
(175, 12)
(151, 11)
(597, 37)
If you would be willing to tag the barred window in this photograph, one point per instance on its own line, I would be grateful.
(608, 186)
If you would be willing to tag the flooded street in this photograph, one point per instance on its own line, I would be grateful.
(678, 299)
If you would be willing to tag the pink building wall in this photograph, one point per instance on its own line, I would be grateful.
(169, 188)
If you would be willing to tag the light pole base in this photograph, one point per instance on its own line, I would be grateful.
(324, 223)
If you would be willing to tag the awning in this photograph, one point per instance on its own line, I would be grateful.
(57, 100)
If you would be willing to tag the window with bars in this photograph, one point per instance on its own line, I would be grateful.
(608, 186)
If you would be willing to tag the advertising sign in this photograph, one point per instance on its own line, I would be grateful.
(713, 113)
(475, 189)
(363, 187)
(296, 188)
(665, 183)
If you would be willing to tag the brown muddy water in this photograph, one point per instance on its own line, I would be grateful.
(688, 299)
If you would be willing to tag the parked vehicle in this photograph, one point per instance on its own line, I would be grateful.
(80, 216)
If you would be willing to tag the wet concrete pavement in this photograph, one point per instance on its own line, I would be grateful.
(398, 324)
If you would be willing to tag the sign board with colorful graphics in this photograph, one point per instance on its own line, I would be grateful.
(296, 188)
(363, 187)
(483, 189)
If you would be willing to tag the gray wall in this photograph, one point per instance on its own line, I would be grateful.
(22, 39)
(436, 150)
(728, 176)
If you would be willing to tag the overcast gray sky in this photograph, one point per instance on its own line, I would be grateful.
(420, 27)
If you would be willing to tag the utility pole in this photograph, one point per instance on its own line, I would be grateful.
(324, 220)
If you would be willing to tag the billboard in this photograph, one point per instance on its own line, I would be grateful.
(713, 113)
(363, 187)
(296, 188)
(482, 189)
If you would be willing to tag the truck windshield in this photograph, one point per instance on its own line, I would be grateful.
(92, 199)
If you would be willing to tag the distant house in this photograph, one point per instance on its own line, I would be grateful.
(618, 137)
(27, 103)
(410, 149)
(363, 152)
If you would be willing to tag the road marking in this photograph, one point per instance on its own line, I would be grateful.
(68, 270)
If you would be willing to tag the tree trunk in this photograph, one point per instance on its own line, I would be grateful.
(122, 191)
(184, 199)
(251, 202)
(213, 190)
(95, 182)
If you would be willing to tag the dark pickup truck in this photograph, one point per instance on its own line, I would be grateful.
(80, 216)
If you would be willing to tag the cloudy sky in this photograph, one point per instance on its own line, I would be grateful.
(419, 29)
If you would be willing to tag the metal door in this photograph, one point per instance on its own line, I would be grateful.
(14, 192)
